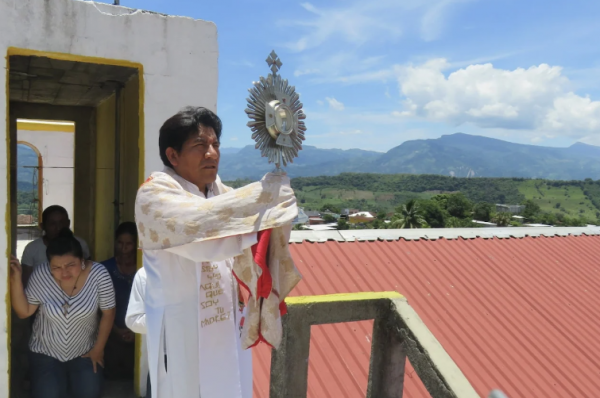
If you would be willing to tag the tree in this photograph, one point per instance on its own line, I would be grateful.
(442, 200)
(502, 219)
(532, 209)
(459, 206)
(455, 222)
(546, 218)
(433, 214)
(482, 211)
(408, 216)
(342, 224)
(328, 218)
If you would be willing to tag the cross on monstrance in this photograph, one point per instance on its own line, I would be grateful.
(274, 62)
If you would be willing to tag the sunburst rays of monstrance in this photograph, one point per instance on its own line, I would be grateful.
(277, 119)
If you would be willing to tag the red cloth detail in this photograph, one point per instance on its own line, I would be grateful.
(260, 252)
(282, 308)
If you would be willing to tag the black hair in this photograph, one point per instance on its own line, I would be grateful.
(65, 243)
(128, 227)
(51, 210)
(178, 129)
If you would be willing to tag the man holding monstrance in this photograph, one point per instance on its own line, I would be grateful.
(207, 246)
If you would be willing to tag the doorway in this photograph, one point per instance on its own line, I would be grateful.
(45, 161)
(102, 102)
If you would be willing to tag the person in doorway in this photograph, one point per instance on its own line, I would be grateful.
(68, 339)
(54, 219)
(191, 227)
(120, 348)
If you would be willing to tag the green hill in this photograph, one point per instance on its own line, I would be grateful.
(384, 192)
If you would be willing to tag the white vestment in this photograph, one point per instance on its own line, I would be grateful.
(191, 305)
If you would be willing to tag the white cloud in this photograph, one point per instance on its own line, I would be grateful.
(358, 22)
(320, 102)
(334, 104)
(233, 139)
(537, 98)
(352, 23)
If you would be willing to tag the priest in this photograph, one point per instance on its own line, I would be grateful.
(217, 263)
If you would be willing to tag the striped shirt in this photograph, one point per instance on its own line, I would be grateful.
(60, 336)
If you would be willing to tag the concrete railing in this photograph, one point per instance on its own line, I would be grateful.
(398, 334)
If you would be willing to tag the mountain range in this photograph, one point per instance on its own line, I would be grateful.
(459, 155)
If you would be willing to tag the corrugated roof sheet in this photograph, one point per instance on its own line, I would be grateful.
(519, 314)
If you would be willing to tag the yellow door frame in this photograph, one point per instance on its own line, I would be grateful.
(141, 171)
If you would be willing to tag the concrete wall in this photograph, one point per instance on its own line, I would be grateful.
(178, 57)
(57, 149)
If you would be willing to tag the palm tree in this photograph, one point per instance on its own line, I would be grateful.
(408, 216)
(502, 219)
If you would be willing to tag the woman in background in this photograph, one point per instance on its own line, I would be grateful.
(120, 349)
(68, 339)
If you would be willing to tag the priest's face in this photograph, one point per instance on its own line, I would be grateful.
(198, 160)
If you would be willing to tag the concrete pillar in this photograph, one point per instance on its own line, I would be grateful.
(388, 360)
(289, 363)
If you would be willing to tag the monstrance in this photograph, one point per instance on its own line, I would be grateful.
(277, 119)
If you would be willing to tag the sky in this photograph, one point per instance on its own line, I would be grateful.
(374, 74)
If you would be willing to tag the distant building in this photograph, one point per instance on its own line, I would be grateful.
(363, 216)
(484, 223)
(25, 219)
(302, 218)
(314, 217)
(514, 209)
(322, 227)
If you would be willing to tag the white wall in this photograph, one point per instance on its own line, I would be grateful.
(179, 56)
(57, 150)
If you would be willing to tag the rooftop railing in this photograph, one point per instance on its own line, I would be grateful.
(398, 334)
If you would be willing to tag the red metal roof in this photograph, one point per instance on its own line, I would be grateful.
(521, 315)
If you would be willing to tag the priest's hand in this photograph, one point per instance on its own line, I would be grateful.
(128, 336)
(279, 179)
(97, 357)
(123, 334)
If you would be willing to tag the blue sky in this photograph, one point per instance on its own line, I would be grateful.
(375, 74)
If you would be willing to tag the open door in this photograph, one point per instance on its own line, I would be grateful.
(102, 102)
